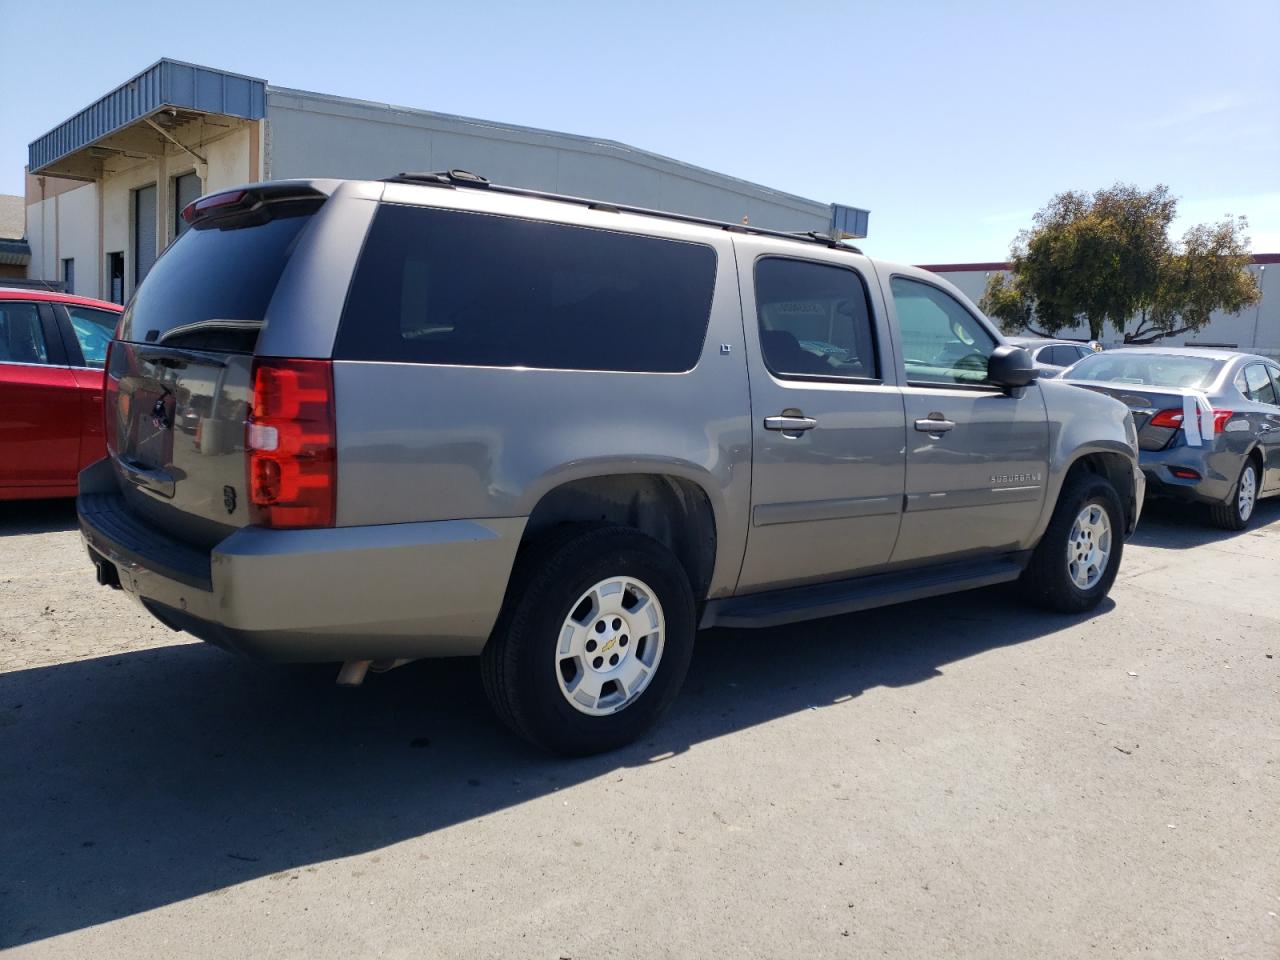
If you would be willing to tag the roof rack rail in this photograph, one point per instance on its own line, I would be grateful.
(465, 178)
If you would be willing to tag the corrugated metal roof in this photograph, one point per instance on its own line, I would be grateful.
(15, 252)
(166, 83)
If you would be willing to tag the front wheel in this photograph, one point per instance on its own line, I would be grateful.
(1078, 557)
(1236, 513)
(594, 640)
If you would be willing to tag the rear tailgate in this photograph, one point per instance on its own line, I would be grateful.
(178, 389)
(175, 434)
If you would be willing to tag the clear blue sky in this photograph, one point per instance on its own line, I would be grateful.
(952, 122)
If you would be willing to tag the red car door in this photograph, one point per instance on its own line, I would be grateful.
(40, 405)
(86, 334)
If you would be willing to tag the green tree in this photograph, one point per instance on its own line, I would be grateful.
(1106, 258)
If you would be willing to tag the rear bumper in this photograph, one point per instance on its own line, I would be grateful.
(1216, 470)
(347, 593)
(1139, 495)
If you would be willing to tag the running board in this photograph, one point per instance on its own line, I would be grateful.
(794, 604)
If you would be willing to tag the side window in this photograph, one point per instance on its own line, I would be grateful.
(1275, 380)
(1066, 354)
(814, 320)
(942, 342)
(94, 329)
(1056, 355)
(21, 335)
(1258, 385)
(447, 287)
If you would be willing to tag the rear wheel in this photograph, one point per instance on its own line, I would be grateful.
(1236, 513)
(594, 640)
(1078, 557)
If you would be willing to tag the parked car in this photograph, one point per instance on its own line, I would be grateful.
(52, 350)
(481, 420)
(1208, 422)
(1051, 357)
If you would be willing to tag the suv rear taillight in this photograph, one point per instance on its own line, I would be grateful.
(291, 444)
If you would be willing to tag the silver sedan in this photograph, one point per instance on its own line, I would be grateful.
(1208, 422)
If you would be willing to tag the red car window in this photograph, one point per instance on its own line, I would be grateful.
(21, 336)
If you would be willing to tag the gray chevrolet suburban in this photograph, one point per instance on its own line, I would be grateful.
(368, 422)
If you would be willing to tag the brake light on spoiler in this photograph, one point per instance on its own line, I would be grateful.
(291, 444)
(196, 209)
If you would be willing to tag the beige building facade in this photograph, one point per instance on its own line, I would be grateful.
(105, 187)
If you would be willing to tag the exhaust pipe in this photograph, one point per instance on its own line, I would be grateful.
(353, 672)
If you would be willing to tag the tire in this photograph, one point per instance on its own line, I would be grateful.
(542, 693)
(1236, 513)
(1050, 578)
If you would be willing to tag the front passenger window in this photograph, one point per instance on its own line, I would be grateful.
(21, 335)
(814, 320)
(942, 342)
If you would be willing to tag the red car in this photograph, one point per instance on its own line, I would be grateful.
(53, 347)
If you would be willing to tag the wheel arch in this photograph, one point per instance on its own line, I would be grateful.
(675, 510)
(1112, 462)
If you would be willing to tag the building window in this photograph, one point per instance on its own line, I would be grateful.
(69, 275)
(186, 189)
(144, 232)
(115, 277)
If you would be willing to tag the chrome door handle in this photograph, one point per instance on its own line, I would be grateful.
(929, 425)
(790, 424)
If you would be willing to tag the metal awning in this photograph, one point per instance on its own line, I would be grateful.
(15, 252)
(142, 115)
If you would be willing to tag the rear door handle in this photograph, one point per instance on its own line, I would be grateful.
(790, 424)
(929, 425)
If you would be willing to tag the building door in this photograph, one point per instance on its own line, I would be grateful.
(115, 277)
(144, 232)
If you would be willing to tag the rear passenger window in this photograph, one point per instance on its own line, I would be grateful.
(1258, 385)
(814, 320)
(93, 330)
(441, 286)
(1064, 355)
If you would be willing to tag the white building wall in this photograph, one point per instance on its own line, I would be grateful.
(95, 220)
(64, 226)
(312, 135)
(1254, 330)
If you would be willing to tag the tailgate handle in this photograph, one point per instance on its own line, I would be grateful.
(157, 481)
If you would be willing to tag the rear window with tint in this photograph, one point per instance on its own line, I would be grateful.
(212, 286)
(1147, 369)
(445, 287)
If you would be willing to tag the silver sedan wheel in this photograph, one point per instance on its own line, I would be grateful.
(1247, 495)
(610, 646)
(1089, 546)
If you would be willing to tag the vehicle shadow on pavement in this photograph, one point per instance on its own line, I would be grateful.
(37, 516)
(1170, 525)
(134, 781)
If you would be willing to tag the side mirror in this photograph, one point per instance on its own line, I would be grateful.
(1011, 367)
